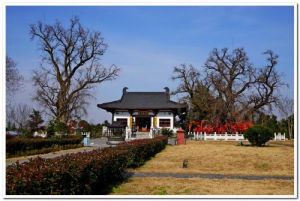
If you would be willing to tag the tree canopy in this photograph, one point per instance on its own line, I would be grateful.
(230, 88)
(70, 67)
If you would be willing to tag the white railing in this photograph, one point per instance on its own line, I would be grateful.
(42, 134)
(151, 133)
(127, 133)
(104, 130)
(86, 134)
(279, 136)
(216, 136)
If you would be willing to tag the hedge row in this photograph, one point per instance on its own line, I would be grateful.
(19, 144)
(93, 172)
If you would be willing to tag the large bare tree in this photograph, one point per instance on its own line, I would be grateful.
(70, 67)
(243, 88)
(195, 91)
(233, 89)
(188, 77)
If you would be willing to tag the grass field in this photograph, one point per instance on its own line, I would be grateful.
(217, 158)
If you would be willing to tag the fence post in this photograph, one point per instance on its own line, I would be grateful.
(129, 134)
(204, 137)
(275, 136)
(237, 136)
(151, 134)
(215, 135)
(226, 136)
(200, 135)
(126, 134)
(284, 136)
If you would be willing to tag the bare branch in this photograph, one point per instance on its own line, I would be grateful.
(71, 67)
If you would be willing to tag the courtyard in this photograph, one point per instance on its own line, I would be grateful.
(225, 168)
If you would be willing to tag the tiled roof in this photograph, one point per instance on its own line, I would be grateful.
(143, 100)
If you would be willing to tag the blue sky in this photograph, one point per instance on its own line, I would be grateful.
(147, 42)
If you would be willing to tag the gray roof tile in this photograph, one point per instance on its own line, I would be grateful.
(143, 100)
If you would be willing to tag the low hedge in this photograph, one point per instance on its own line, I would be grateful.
(93, 172)
(139, 151)
(20, 144)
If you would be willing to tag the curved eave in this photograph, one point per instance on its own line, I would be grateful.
(109, 108)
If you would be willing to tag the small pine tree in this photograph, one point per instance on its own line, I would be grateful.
(35, 119)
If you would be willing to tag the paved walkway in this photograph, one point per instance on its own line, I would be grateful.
(205, 176)
(95, 144)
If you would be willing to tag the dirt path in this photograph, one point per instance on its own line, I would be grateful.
(95, 144)
(23, 159)
(205, 176)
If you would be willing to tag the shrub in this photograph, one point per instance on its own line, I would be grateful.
(93, 172)
(84, 125)
(167, 132)
(258, 135)
(141, 150)
(51, 129)
(60, 127)
(18, 144)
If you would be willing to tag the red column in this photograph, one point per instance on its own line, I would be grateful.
(180, 136)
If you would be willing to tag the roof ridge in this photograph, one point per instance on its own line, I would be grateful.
(146, 92)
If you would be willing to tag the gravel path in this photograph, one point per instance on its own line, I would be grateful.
(205, 176)
(95, 144)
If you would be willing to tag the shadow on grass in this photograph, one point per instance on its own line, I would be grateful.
(269, 144)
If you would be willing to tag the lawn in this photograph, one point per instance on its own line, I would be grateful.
(216, 157)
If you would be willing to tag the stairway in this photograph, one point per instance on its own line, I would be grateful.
(142, 135)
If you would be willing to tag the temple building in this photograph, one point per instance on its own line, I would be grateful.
(143, 111)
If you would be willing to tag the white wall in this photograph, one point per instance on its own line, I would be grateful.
(160, 115)
(166, 115)
(122, 115)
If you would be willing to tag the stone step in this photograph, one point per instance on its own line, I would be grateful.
(142, 135)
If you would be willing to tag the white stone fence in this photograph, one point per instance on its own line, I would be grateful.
(279, 136)
(42, 134)
(227, 136)
(216, 136)
(86, 134)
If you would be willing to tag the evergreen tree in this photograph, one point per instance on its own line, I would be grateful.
(35, 119)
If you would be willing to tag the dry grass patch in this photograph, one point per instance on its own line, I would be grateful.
(220, 157)
(172, 186)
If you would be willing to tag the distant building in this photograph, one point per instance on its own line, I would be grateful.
(144, 110)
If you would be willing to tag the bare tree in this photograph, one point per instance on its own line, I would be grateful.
(232, 90)
(19, 114)
(243, 88)
(196, 92)
(286, 108)
(70, 67)
(13, 77)
(189, 80)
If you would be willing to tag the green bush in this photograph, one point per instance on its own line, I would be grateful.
(51, 129)
(60, 127)
(15, 146)
(167, 132)
(93, 172)
(141, 150)
(258, 135)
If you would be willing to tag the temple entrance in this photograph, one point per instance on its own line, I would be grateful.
(143, 124)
